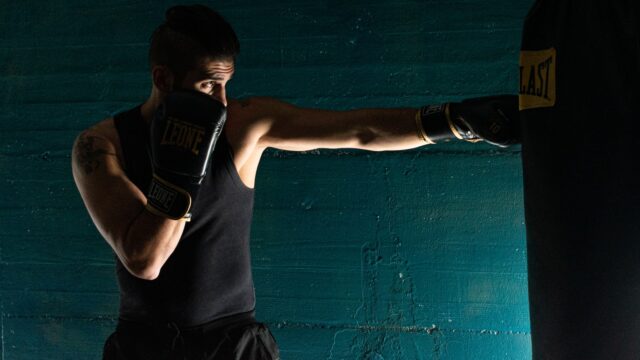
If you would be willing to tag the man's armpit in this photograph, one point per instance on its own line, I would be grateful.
(89, 152)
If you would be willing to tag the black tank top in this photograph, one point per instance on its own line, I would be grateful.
(208, 276)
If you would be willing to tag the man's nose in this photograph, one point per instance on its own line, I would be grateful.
(221, 95)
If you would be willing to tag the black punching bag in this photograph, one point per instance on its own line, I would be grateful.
(580, 107)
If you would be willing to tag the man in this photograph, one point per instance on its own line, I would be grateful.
(169, 185)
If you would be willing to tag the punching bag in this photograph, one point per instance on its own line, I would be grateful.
(580, 111)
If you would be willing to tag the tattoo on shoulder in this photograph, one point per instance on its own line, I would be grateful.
(88, 155)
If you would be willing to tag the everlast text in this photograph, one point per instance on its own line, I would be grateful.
(537, 79)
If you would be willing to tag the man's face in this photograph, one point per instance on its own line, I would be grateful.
(210, 77)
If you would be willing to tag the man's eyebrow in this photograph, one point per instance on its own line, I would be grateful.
(217, 75)
(218, 70)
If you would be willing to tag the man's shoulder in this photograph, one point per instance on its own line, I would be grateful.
(103, 134)
(250, 115)
(104, 129)
(256, 104)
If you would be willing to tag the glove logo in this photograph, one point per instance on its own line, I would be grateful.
(537, 79)
(161, 196)
(432, 109)
(183, 135)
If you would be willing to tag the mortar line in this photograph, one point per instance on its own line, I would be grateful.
(2, 328)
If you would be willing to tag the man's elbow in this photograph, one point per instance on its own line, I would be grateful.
(145, 269)
(141, 258)
(366, 136)
(369, 139)
(140, 263)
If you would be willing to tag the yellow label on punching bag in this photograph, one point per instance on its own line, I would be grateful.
(537, 79)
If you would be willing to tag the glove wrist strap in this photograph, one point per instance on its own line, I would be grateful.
(434, 124)
(168, 200)
(437, 123)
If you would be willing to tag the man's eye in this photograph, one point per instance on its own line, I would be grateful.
(208, 85)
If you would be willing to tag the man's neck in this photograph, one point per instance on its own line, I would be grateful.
(149, 107)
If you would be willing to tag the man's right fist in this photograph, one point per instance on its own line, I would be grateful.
(183, 134)
(493, 119)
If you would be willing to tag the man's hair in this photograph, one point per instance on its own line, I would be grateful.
(190, 34)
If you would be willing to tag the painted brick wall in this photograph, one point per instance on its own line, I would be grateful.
(405, 255)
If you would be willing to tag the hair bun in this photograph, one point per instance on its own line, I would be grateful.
(177, 17)
(204, 26)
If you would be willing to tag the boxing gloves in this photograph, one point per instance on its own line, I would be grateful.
(493, 119)
(183, 134)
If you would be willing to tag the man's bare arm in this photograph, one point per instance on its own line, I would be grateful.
(273, 123)
(276, 124)
(141, 240)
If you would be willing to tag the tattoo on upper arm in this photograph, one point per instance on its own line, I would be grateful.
(88, 155)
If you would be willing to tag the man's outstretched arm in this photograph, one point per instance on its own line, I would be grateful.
(276, 124)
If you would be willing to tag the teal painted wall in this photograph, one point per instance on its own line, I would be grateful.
(404, 255)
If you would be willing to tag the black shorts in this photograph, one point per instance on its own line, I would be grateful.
(239, 337)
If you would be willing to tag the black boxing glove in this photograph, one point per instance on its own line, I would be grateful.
(493, 119)
(184, 132)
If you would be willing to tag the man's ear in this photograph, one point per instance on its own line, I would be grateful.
(162, 78)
